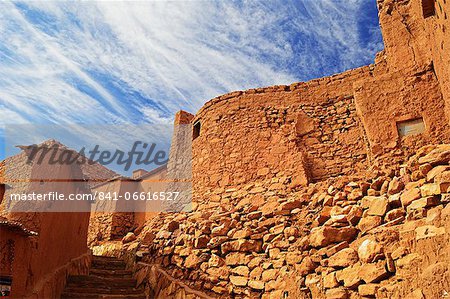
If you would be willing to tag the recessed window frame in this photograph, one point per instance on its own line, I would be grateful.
(428, 8)
(2, 192)
(410, 127)
(196, 129)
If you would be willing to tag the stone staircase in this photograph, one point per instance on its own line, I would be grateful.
(107, 279)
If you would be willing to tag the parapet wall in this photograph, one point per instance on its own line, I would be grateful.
(303, 131)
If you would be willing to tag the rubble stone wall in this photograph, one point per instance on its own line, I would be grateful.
(304, 131)
(336, 125)
(383, 237)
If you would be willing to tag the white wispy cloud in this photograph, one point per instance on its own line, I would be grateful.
(140, 62)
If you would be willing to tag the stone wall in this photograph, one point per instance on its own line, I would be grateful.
(160, 285)
(316, 130)
(412, 39)
(384, 237)
(108, 219)
(336, 125)
(408, 94)
(302, 131)
(438, 27)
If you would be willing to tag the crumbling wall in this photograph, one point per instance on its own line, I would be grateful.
(415, 36)
(405, 34)
(439, 26)
(380, 237)
(311, 131)
(110, 219)
(383, 101)
(305, 131)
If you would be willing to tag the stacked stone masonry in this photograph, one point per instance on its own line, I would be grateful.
(384, 237)
(246, 131)
(315, 190)
(303, 191)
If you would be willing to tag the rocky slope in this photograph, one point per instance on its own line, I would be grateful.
(385, 236)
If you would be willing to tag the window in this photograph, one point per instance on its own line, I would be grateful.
(2, 192)
(410, 127)
(196, 130)
(428, 8)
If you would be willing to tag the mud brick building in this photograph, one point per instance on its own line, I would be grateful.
(334, 188)
(337, 125)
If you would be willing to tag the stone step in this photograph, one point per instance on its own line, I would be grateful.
(113, 264)
(105, 258)
(107, 279)
(75, 295)
(104, 290)
(96, 281)
(111, 273)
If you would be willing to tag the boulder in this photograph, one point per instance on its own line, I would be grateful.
(395, 214)
(221, 230)
(193, 261)
(330, 281)
(343, 258)
(238, 280)
(368, 290)
(373, 272)
(409, 196)
(438, 156)
(369, 250)
(130, 237)
(422, 203)
(431, 189)
(237, 258)
(173, 226)
(350, 276)
(241, 245)
(326, 235)
(354, 215)
(336, 293)
(270, 274)
(219, 272)
(369, 222)
(306, 266)
(395, 186)
(436, 171)
(256, 284)
(429, 231)
(378, 206)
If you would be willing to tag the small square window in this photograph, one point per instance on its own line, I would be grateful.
(428, 8)
(2, 192)
(196, 130)
(411, 127)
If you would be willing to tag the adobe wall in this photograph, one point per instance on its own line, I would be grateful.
(146, 210)
(15, 257)
(439, 27)
(414, 40)
(384, 101)
(332, 126)
(52, 250)
(304, 131)
(105, 223)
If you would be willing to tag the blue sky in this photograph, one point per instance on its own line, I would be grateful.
(139, 62)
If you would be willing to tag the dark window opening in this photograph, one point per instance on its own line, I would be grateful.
(2, 192)
(428, 8)
(196, 130)
(411, 127)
